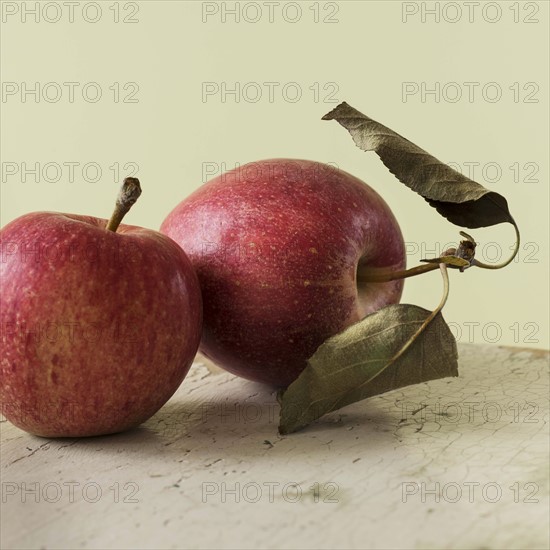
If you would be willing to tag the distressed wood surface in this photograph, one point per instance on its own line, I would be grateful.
(454, 463)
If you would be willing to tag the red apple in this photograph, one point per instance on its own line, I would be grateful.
(99, 327)
(277, 246)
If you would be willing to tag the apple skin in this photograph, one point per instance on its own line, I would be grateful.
(98, 328)
(276, 245)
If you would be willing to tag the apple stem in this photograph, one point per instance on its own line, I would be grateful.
(384, 275)
(127, 196)
(465, 252)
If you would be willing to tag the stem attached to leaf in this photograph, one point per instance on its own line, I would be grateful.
(430, 318)
(369, 275)
(445, 275)
(128, 195)
(509, 260)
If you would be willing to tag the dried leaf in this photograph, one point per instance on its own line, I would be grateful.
(459, 199)
(361, 362)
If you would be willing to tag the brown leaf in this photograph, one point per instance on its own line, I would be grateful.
(459, 199)
(365, 360)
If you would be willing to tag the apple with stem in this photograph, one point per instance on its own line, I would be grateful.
(100, 322)
(288, 253)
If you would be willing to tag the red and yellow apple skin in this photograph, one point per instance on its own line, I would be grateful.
(98, 328)
(276, 245)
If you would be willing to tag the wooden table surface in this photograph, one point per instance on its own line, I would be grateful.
(454, 463)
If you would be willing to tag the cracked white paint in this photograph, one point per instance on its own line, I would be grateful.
(220, 429)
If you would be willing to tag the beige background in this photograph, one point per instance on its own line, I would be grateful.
(175, 134)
